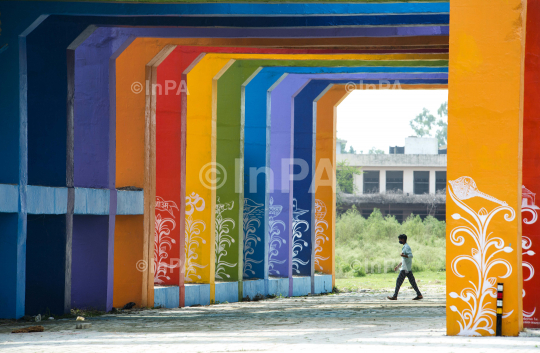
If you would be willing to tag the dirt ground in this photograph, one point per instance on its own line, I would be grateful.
(345, 322)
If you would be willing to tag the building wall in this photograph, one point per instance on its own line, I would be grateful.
(424, 145)
(394, 160)
(400, 207)
(399, 162)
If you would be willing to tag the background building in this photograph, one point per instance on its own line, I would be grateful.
(410, 179)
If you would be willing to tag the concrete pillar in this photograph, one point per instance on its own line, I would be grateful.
(382, 181)
(432, 181)
(359, 184)
(408, 181)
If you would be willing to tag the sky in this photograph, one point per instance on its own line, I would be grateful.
(380, 118)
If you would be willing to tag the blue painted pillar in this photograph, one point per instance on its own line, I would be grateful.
(304, 199)
(12, 280)
(49, 163)
(47, 265)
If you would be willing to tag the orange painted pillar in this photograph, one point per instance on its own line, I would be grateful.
(128, 249)
(325, 179)
(484, 166)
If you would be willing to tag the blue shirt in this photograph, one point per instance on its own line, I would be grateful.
(406, 262)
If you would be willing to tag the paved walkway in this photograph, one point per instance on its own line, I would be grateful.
(345, 322)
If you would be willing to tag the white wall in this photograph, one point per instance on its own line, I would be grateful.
(423, 145)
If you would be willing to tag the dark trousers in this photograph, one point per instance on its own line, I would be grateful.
(412, 281)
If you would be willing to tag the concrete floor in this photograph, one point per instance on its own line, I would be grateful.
(345, 322)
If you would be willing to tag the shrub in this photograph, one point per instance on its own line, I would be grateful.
(371, 245)
(345, 268)
(359, 272)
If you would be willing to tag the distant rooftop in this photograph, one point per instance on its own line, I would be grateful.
(413, 146)
(417, 145)
(394, 160)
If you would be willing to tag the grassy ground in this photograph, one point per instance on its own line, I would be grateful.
(388, 281)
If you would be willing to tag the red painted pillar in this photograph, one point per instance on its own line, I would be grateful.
(169, 252)
(531, 169)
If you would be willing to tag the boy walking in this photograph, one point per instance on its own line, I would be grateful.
(406, 269)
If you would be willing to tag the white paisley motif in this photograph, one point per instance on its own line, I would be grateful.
(320, 226)
(163, 240)
(274, 239)
(465, 188)
(528, 200)
(253, 216)
(194, 227)
(223, 238)
(478, 315)
(298, 242)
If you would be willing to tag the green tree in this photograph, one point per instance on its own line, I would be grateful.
(425, 122)
(442, 123)
(375, 150)
(443, 110)
(344, 146)
(345, 180)
(422, 123)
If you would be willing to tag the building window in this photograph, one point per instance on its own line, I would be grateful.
(371, 182)
(421, 183)
(394, 181)
(440, 181)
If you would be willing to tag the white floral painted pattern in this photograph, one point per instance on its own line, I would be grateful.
(275, 240)
(477, 317)
(194, 227)
(528, 205)
(320, 238)
(298, 242)
(163, 241)
(223, 239)
(253, 218)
